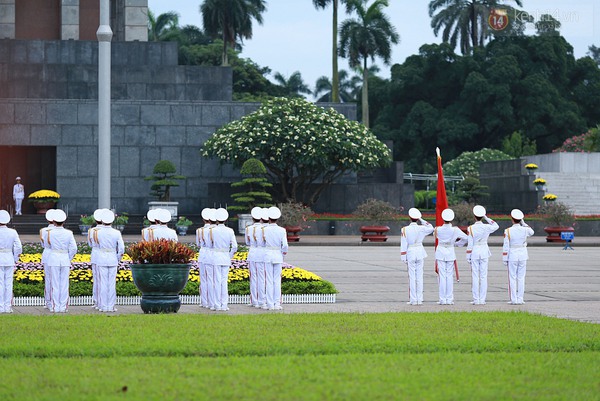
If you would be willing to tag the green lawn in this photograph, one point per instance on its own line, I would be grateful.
(438, 356)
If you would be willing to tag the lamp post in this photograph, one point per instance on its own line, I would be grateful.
(104, 35)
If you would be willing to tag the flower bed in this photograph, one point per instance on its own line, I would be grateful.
(29, 276)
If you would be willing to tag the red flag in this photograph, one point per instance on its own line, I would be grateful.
(441, 202)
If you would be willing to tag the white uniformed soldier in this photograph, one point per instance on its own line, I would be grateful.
(10, 249)
(148, 232)
(448, 237)
(224, 247)
(514, 255)
(412, 253)
(62, 249)
(251, 234)
(18, 195)
(261, 274)
(45, 253)
(110, 250)
(478, 253)
(276, 246)
(209, 263)
(203, 258)
(163, 217)
(92, 240)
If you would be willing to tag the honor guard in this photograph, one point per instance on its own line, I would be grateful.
(163, 217)
(203, 255)
(251, 234)
(413, 254)
(18, 195)
(478, 253)
(10, 249)
(45, 253)
(92, 240)
(224, 247)
(447, 238)
(110, 250)
(148, 232)
(209, 258)
(276, 247)
(514, 255)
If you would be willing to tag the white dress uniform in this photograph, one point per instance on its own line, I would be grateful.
(92, 240)
(164, 232)
(209, 264)
(110, 251)
(224, 247)
(447, 236)
(203, 255)
(148, 232)
(255, 256)
(478, 254)
(413, 254)
(45, 253)
(276, 246)
(10, 249)
(62, 249)
(18, 196)
(514, 253)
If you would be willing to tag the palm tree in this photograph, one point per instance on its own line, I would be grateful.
(368, 36)
(294, 85)
(231, 20)
(165, 27)
(335, 79)
(464, 19)
(348, 88)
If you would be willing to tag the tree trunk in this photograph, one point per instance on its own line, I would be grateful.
(224, 58)
(335, 77)
(365, 95)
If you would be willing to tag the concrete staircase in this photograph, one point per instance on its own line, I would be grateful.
(580, 191)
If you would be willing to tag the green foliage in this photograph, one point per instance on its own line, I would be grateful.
(307, 287)
(300, 144)
(164, 177)
(87, 220)
(159, 252)
(424, 199)
(255, 184)
(34, 247)
(376, 210)
(587, 142)
(183, 221)
(517, 145)
(470, 190)
(467, 164)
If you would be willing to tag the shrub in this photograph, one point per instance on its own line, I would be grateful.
(294, 214)
(467, 164)
(255, 184)
(376, 210)
(159, 252)
(164, 177)
(587, 142)
(556, 214)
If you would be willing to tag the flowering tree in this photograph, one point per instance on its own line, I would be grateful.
(304, 147)
(588, 142)
(467, 164)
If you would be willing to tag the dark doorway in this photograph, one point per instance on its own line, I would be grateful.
(37, 19)
(89, 19)
(36, 165)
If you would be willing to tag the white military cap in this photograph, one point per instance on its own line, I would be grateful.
(212, 214)
(151, 215)
(205, 213)
(164, 216)
(479, 211)
(264, 214)
(256, 213)
(222, 214)
(60, 216)
(517, 214)
(4, 217)
(414, 213)
(98, 214)
(274, 213)
(18, 178)
(50, 215)
(448, 215)
(107, 216)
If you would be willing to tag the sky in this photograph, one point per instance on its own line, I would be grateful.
(295, 36)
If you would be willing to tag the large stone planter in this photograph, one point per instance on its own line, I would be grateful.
(554, 233)
(374, 233)
(160, 286)
(170, 206)
(244, 220)
(43, 207)
(293, 233)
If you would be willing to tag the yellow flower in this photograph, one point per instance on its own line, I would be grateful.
(44, 193)
(531, 166)
(550, 197)
(539, 181)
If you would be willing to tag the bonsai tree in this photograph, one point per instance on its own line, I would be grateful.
(294, 214)
(255, 184)
(556, 214)
(164, 178)
(376, 210)
(471, 190)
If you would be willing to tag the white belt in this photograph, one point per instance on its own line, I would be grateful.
(107, 250)
(479, 244)
(224, 250)
(445, 244)
(273, 248)
(415, 245)
(60, 250)
(5, 250)
(519, 246)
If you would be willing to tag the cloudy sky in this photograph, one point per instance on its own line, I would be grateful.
(297, 37)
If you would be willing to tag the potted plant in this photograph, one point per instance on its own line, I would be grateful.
(163, 178)
(549, 198)
(86, 222)
(558, 217)
(539, 184)
(182, 225)
(121, 221)
(531, 167)
(255, 194)
(376, 211)
(294, 216)
(43, 200)
(160, 270)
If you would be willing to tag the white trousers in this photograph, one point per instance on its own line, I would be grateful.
(273, 284)
(210, 284)
(18, 202)
(516, 280)
(253, 283)
(479, 272)
(107, 291)
(203, 287)
(60, 288)
(446, 281)
(95, 281)
(6, 288)
(47, 286)
(220, 286)
(261, 284)
(415, 281)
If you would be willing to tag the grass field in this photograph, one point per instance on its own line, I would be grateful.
(439, 356)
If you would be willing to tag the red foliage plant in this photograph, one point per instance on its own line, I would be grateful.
(159, 252)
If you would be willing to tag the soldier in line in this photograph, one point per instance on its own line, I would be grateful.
(62, 249)
(110, 250)
(224, 247)
(10, 249)
(92, 240)
(276, 247)
(260, 259)
(45, 253)
(148, 232)
(203, 254)
(18, 195)
(514, 255)
(413, 254)
(251, 234)
(478, 253)
(448, 237)
(163, 217)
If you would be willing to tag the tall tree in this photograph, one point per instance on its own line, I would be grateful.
(369, 35)
(594, 53)
(164, 27)
(547, 25)
(348, 88)
(466, 20)
(335, 78)
(294, 86)
(231, 20)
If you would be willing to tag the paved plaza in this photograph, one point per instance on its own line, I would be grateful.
(370, 279)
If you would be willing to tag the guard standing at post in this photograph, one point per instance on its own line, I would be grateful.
(413, 254)
(110, 250)
(224, 247)
(92, 240)
(478, 253)
(276, 247)
(45, 253)
(10, 249)
(203, 258)
(448, 237)
(514, 255)
(148, 232)
(251, 234)
(163, 217)
(18, 195)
